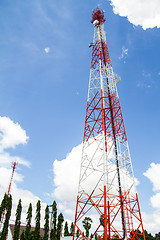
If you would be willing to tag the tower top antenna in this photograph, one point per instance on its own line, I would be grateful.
(98, 16)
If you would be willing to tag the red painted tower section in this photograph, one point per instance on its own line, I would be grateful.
(107, 191)
(10, 183)
(9, 189)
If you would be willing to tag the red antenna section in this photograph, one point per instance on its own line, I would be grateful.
(98, 15)
(13, 169)
(107, 191)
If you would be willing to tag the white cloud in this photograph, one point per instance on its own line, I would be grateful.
(11, 134)
(145, 13)
(155, 200)
(64, 173)
(151, 221)
(67, 171)
(146, 81)
(153, 175)
(47, 49)
(124, 53)
(6, 160)
(66, 176)
(146, 74)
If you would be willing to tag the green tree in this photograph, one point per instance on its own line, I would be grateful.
(101, 219)
(96, 237)
(32, 235)
(115, 237)
(147, 235)
(77, 234)
(53, 234)
(28, 222)
(66, 232)
(23, 236)
(3, 206)
(87, 225)
(18, 221)
(139, 235)
(59, 225)
(8, 202)
(157, 236)
(46, 225)
(71, 229)
(37, 219)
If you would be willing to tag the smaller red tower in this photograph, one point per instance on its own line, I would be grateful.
(10, 183)
(8, 192)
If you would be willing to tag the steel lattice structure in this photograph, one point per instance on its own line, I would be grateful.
(10, 183)
(106, 184)
(8, 193)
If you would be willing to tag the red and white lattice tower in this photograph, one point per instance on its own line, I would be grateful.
(8, 192)
(10, 183)
(106, 190)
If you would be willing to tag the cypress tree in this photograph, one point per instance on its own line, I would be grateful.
(7, 217)
(28, 222)
(3, 205)
(66, 232)
(77, 234)
(37, 218)
(46, 225)
(53, 235)
(18, 221)
(87, 225)
(23, 236)
(71, 229)
(59, 225)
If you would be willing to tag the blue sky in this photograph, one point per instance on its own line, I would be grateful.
(44, 73)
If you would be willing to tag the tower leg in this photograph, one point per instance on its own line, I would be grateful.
(105, 214)
(109, 229)
(75, 219)
(140, 217)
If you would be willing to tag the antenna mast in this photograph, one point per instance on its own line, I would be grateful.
(8, 191)
(13, 169)
(106, 185)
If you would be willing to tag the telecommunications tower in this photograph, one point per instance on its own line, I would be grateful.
(10, 183)
(8, 192)
(106, 191)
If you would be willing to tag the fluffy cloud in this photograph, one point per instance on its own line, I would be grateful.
(47, 50)
(153, 175)
(66, 188)
(11, 135)
(151, 221)
(64, 173)
(67, 171)
(124, 52)
(155, 200)
(145, 12)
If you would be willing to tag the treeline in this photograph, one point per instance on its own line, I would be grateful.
(30, 233)
(148, 236)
